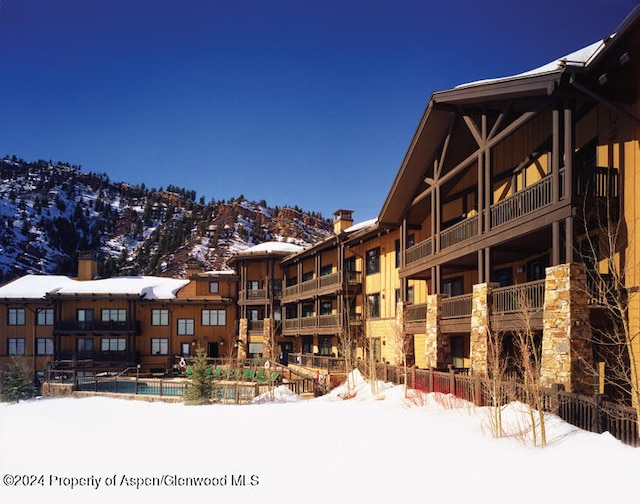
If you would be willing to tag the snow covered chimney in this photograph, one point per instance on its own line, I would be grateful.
(87, 266)
(342, 219)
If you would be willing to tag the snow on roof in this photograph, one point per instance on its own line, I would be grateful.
(273, 246)
(361, 225)
(38, 286)
(580, 58)
(33, 286)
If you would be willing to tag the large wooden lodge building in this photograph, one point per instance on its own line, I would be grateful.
(501, 210)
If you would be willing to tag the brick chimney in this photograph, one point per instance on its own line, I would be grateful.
(87, 266)
(342, 219)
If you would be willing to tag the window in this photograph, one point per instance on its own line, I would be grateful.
(160, 317)
(85, 347)
(307, 276)
(453, 286)
(15, 346)
(374, 305)
(159, 346)
(325, 308)
(255, 350)
(16, 316)
(113, 344)
(44, 346)
(307, 344)
(292, 281)
(114, 315)
(85, 318)
(214, 317)
(373, 261)
(410, 243)
(350, 263)
(327, 269)
(214, 287)
(307, 310)
(185, 327)
(409, 294)
(253, 284)
(324, 345)
(44, 316)
(185, 349)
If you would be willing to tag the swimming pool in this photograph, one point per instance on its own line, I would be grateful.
(124, 386)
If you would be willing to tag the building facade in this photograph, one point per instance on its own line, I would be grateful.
(514, 209)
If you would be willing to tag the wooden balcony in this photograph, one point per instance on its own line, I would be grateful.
(260, 296)
(322, 324)
(523, 202)
(96, 327)
(97, 356)
(322, 285)
(518, 307)
(249, 296)
(415, 317)
(255, 326)
(459, 232)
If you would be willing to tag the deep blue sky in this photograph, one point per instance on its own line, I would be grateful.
(292, 101)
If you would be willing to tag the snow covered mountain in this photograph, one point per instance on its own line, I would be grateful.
(50, 211)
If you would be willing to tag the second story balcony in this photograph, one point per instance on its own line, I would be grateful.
(97, 326)
(519, 212)
(322, 285)
(322, 324)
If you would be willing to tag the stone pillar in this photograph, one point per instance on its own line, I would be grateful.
(267, 349)
(567, 355)
(243, 338)
(480, 326)
(437, 348)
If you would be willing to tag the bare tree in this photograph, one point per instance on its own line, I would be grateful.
(603, 251)
(401, 340)
(347, 340)
(494, 380)
(529, 365)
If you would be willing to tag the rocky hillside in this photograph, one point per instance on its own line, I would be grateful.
(49, 211)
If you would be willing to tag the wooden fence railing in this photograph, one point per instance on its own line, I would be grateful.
(591, 413)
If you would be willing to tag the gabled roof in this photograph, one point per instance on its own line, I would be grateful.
(442, 106)
(267, 249)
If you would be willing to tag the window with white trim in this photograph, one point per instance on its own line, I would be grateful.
(214, 317)
(160, 346)
(16, 316)
(160, 317)
(186, 327)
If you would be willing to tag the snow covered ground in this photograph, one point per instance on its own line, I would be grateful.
(337, 448)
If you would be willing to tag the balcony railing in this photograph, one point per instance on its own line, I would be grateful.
(419, 251)
(255, 325)
(601, 289)
(525, 297)
(96, 326)
(335, 279)
(457, 306)
(597, 181)
(416, 313)
(97, 356)
(459, 232)
(253, 295)
(313, 322)
(522, 203)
